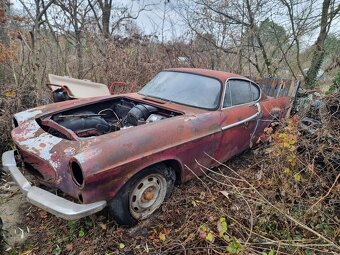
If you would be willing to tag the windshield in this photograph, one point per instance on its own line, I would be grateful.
(184, 88)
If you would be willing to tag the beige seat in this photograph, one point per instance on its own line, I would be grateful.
(78, 88)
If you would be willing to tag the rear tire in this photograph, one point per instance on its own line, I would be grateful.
(142, 195)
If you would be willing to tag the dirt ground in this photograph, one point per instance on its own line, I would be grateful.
(11, 211)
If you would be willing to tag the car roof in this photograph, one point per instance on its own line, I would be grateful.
(220, 75)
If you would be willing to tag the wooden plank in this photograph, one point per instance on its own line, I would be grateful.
(272, 88)
(293, 88)
(292, 94)
(279, 88)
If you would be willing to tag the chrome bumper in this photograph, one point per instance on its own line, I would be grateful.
(54, 204)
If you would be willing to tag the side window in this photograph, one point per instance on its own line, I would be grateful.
(227, 100)
(255, 91)
(240, 92)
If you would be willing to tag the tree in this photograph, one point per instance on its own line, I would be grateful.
(329, 12)
(332, 45)
(76, 12)
(272, 33)
(332, 52)
(109, 16)
(305, 17)
(241, 28)
(105, 6)
(36, 15)
(4, 7)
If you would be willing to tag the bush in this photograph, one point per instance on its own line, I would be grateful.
(336, 84)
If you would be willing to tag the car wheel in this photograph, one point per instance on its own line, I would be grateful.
(142, 195)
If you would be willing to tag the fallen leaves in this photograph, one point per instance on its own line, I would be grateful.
(102, 225)
(159, 234)
(222, 226)
(10, 93)
(234, 247)
(69, 246)
(205, 233)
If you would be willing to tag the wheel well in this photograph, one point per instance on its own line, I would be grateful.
(176, 166)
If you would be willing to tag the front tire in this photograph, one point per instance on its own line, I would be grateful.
(142, 195)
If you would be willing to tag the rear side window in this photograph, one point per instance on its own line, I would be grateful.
(255, 91)
(240, 92)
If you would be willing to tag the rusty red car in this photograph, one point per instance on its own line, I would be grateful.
(127, 151)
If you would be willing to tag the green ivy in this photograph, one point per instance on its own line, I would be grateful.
(336, 84)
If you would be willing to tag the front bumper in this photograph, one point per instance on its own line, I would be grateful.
(54, 204)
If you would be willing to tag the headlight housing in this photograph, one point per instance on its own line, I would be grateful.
(77, 173)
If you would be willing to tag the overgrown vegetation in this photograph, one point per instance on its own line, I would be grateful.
(336, 84)
(279, 198)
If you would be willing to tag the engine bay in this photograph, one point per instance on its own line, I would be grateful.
(104, 117)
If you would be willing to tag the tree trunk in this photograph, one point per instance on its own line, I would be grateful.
(255, 35)
(4, 41)
(4, 8)
(319, 51)
(79, 49)
(106, 16)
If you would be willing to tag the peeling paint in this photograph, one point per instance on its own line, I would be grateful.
(191, 117)
(28, 130)
(25, 115)
(32, 144)
(69, 151)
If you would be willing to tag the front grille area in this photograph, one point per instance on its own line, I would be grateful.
(36, 166)
(33, 171)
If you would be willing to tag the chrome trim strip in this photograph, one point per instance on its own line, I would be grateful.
(258, 106)
(54, 204)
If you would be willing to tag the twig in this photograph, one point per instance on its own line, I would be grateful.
(279, 210)
(245, 200)
(324, 196)
(205, 185)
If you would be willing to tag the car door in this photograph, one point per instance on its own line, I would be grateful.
(240, 113)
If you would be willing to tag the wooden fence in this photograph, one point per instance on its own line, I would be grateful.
(278, 87)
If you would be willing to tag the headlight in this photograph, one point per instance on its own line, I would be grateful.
(77, 173)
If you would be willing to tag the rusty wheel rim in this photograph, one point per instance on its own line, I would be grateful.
(147, 195)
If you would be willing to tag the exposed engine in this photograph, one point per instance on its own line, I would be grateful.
(105, 117)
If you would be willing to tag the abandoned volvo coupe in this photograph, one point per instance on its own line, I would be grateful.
(127, 151)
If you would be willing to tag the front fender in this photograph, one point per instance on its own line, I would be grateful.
(107, 165)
